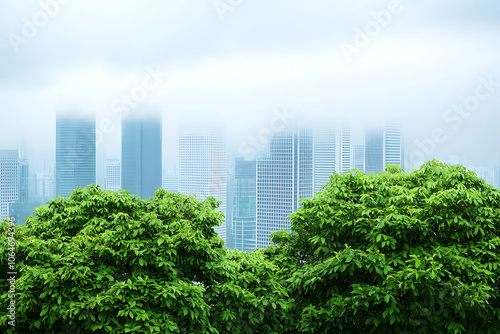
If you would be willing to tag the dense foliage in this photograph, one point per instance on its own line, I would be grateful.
(108, 262)
(396, 252)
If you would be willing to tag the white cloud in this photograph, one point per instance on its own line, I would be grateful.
(264, 55)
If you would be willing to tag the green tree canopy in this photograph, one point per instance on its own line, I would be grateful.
(106, 262)
(395, 252)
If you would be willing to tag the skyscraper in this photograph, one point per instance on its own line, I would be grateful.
(9, 180)
(394, 148)
(345, 149)
(359, 157)
(141, 154)
(244, 226)
(374, 150)
(383, 146)
(202, 168)
(284, 177)
(24, 180)
(75, 153)
(230, 169)
(324, 157)
(113, 171)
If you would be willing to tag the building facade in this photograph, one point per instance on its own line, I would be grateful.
(374, 150)
(75, 153)
(141, 158)
(325, 152)
(345, 150)
(202, 168)
(359, 157)
(45, 186)
(394, 146)
(9, 180)
(244, 224)
(170, 180)
(113, 174)
(284, 177)
(24, 180)
(170, 183)
(383, 146)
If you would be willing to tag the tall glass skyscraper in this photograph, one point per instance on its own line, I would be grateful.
(394, 147)
(75, 152)
(345, 150)
(9, 180)
(374, 150)
(383, 146)
(24, 180)
(244, 225)
(202, 168)
(359, 157)
(284, 177)
(324, 157)
(141, 154)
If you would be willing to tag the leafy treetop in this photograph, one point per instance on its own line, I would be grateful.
(395, 252)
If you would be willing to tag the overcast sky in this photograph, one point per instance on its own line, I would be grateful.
(234, 62)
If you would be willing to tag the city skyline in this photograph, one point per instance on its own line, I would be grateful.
(295, 164)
